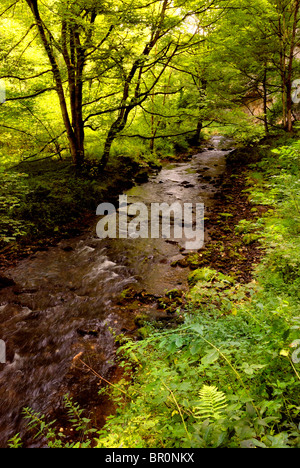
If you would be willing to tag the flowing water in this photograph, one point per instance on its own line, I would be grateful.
(65, 298)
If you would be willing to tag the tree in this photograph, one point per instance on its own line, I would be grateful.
(76, 36)
(139, 67)
(160, 47)
(286, 29)
(107, 64)
(76, 24)
(281, 20)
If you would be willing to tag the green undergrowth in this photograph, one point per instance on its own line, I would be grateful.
(229, 376)
(41, 204)
(46, 198)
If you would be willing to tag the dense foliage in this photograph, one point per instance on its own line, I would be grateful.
(102, 78)
(93, 86)
(90, 83)
(229, 375)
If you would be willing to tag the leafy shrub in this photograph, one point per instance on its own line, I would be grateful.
(37, 205)
(50, 435)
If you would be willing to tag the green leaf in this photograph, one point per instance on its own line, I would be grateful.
(210, 357)
(250, 410)
(179, 341)
(195, 348)
(212, 403)
(197, 328)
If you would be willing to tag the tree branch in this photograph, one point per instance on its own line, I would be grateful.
(21, 40)
(14, 77)
(17, 130)
(156, 137)
(30, 96)
(130, 106)
(8, 8)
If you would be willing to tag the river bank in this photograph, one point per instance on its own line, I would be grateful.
(54, 202)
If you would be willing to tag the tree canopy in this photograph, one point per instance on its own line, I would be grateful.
(91, 76)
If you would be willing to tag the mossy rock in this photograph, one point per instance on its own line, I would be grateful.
(141, 319)
(143, 333)
(182, 263)
(201, 275)
(135, 305)
(175, 294)
(171, 301)
(164, 302)
(193, 260)
(127, 295)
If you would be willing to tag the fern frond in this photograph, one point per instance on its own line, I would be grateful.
(212, 403)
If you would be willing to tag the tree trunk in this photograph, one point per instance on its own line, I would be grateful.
(265, 99)
(107, 148)
(119, 124)
(289, 103)
(289, 107)
(76, 100)
(75, 131)
(115, 129)
(198, 133)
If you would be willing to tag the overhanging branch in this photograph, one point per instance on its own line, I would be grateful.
(156, 137)
(8, 8)
(19, 78)
(30, 96)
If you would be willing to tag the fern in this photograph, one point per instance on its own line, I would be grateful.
(54, 438)
(211, 405)
(15, 442)
(37, 422)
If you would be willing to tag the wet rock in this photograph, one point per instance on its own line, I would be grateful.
(68, 248)
(187, 184)
(185, 252)
(33, 316)
(182, 263)
(142, 177)
(6, 282)
(171, 241)
(87, 333)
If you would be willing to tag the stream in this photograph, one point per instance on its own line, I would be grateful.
(65, 298)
